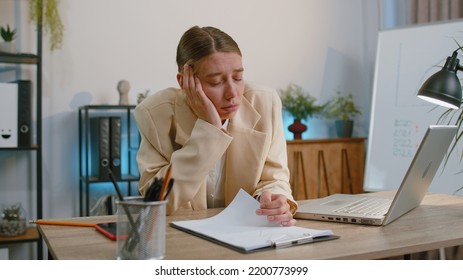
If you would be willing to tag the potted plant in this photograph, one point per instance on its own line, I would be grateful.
(343, 110)
(142, 96)
(300, 105)
(8, 35)
(13, 220)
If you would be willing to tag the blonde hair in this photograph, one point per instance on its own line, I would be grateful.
(199, 42)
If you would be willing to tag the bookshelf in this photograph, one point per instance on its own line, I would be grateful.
(18, 59)
(92, 182)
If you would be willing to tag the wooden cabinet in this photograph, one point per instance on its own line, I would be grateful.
(326, 166)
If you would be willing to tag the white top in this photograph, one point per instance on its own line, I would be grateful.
(215, 191)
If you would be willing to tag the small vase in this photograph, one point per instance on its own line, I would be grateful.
(7, 47)
(297, 128)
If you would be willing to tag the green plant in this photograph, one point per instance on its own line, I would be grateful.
(142, 95)
(12, 213)
(299, 104)
(449, 116)
(8, 35)
(13, 221)
(341, 107)
(45, 13)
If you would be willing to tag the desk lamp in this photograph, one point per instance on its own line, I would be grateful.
(444, 88)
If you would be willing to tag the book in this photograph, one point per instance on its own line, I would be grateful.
(239, 228)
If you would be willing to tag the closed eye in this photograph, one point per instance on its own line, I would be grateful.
(214, 84)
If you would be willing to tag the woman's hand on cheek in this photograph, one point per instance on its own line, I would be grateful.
(276, 208)
(197, 99)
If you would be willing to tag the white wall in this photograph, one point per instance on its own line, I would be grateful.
(322, 45)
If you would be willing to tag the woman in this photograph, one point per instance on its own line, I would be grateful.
(217, 133)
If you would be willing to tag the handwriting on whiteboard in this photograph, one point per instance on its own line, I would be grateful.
(402, 144)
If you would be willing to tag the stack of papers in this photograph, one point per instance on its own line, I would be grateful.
(239, 228)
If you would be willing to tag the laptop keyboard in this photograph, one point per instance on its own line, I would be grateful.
(367, 206)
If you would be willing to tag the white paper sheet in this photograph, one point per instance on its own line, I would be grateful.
(239, 226)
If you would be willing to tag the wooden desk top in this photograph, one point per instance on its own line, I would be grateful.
(436, 223)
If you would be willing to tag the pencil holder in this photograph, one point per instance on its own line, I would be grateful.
(141, 229)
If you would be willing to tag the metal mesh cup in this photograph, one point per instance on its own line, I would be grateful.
(141, 229)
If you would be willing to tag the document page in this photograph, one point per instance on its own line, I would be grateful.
(240, 227)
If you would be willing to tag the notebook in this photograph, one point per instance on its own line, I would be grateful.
(362, 209)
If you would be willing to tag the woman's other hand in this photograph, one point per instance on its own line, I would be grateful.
(276, 208)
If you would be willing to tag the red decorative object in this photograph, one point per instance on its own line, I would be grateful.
(297, 128)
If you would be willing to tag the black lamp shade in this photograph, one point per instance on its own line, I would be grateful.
(443, 88)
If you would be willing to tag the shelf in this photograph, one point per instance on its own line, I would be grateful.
(31, 235)
(20, 58)
(125, 178)
(33, 147)
(107, 107)
(35, 193)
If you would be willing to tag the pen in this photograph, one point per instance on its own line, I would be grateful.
(169, 187)
(292, 242)
(113, 180)
(121, 198)
(133, 240)
(166, 183)
(154, 192)
(61, 223)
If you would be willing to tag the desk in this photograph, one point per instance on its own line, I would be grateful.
(436, 223)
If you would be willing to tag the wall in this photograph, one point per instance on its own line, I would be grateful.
(323, 46)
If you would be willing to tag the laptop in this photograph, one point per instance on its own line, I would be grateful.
(363, 209)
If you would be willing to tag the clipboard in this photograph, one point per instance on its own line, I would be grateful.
(271, 245)
(239, 228)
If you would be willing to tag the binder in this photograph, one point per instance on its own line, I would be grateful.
(15, 110)
(100, 147)
(9, 115)
(24, 113)
(115, 144)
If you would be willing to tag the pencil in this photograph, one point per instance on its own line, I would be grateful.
(165, 183)
(61, 223)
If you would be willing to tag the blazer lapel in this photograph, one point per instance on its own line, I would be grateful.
(245, 154)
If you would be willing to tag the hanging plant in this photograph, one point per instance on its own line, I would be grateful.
(50, 20)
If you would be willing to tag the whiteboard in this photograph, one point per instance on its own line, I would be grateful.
(405, 58)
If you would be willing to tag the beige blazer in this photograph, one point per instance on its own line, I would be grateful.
(254, 147)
